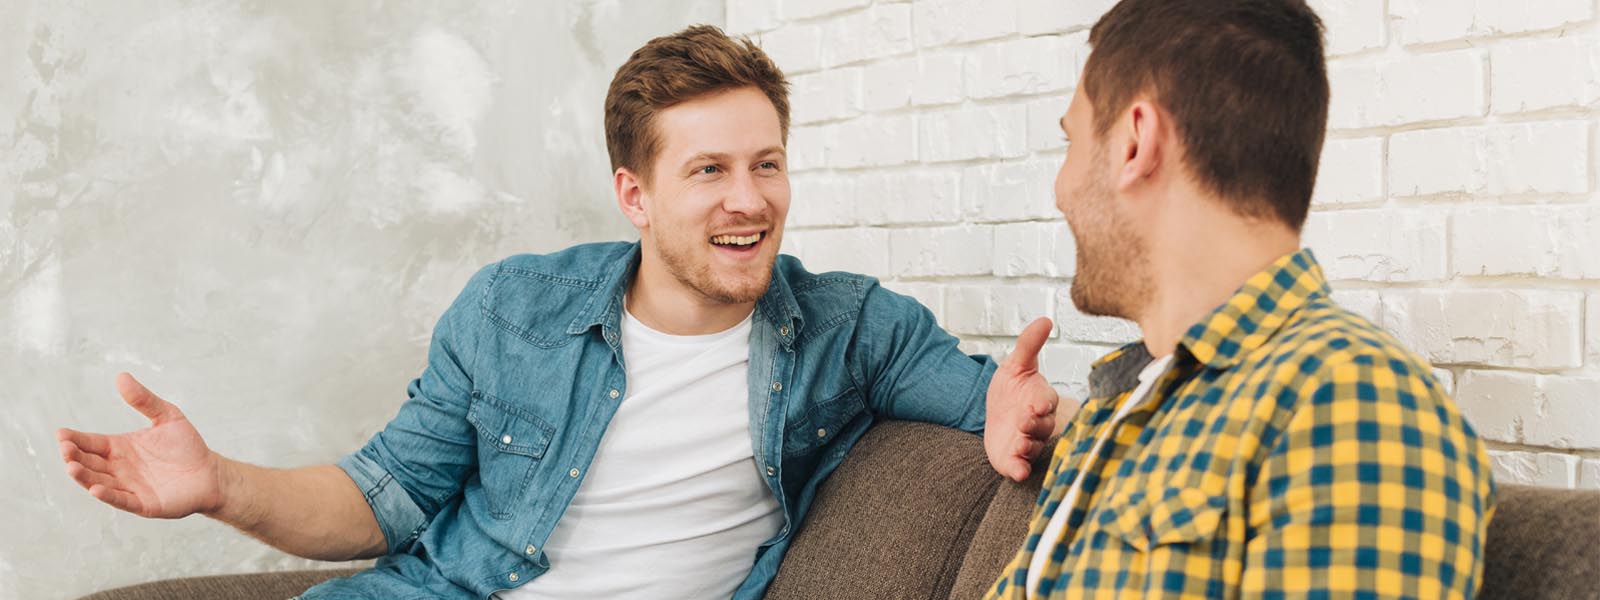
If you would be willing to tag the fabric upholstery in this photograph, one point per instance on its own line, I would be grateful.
(1543, 543)
(894, 521)
(254, 586)
(1004, 526)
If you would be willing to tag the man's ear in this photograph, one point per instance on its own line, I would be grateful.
(631, 197)
(1143, 144)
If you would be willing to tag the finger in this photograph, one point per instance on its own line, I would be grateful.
(1025, 355)
(92, 443)
(1045, 405)
(1017, 469)
(1028, 448)
(118, 499)
(89, 478)
(145, 401)
(71, 453)
(1039, 427)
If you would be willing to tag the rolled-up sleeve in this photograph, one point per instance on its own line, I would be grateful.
(911, 368)
(423, 457)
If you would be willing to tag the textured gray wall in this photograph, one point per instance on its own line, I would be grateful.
(260, 208)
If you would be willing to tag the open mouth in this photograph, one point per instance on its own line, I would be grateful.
(739, 243)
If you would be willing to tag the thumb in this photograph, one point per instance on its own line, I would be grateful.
(1025, 355)
(145, 401)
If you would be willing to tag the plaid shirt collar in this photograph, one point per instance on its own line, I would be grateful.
(1241, 324)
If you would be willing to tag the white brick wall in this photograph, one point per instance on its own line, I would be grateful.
(1456, 204)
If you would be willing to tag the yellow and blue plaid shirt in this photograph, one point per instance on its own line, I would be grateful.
(1293, 449)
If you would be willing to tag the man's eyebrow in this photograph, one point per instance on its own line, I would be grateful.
(724, 156)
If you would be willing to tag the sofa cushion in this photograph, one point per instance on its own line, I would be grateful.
(1001, 532)
(1543, 543)
(895, 519)
(253, 586)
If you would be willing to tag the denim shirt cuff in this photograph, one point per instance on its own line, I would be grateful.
(399, 518)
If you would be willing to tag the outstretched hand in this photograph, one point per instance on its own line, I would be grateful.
(1021, 406)
(163, 471)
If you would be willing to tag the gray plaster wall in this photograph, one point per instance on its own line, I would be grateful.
(260, 208)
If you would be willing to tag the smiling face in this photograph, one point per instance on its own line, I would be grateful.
(711, 214)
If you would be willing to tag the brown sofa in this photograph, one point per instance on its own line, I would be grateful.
(916, 512)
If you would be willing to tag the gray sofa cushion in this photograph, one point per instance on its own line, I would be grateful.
(1543, 543)
(894, 521)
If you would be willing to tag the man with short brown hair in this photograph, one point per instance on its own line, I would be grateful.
(644, 419)
(1260, 441)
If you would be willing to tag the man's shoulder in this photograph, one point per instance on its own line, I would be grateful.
(536, 296)
(821, 295)
(1327, 347)
(583, 265)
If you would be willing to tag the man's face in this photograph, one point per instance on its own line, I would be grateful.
(718, 194)
(1113, 275)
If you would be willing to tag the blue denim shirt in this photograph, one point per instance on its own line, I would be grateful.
(525, 372)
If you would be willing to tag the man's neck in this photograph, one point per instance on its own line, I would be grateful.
(664, 304)
(1198, 263)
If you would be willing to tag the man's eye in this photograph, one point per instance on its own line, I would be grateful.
(706, 170)
(769, 165)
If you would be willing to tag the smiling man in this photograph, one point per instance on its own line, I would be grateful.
(645, 419)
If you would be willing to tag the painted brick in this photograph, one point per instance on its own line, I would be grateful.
(1557, 242)
(1025, 66)
(1379, 244)
(1426, 21)
(1352, 25)
(974, 132)
(1543, 469)
(1589, 474)
(1551, 411)
(872, 141)
(880, 31)
(1068, 365)
(1550, 157)
(941, 22)
(1036, 17)
(751, 16)
(941, 251)
(1044, 123)
(857, 250)
(794, 48)
(1376, 92)
(995, 310)
(1351, 172)
(1540, 74)
(1592, 338)
(806, 9)
(1367, 303)
(1446, 379)
(1076, 326)
(1043, 249)
(1504, 328)
(817, 200)
(807, 148)
(825, 95)
(928, 78)
(924, 196)
(1011, 191)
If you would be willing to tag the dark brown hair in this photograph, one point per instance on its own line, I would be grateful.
(1245, 82)
(676, 68)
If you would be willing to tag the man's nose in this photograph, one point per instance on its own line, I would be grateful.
(744, 197)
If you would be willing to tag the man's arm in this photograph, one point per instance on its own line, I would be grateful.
(167, 471)
(1374, 488)
(913, 370)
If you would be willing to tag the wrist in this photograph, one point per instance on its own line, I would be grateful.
(229, 504)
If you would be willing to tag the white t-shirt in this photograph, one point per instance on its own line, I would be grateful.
(1058, 521)
(673, 505)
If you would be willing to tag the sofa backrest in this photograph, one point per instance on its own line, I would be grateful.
(916, 512)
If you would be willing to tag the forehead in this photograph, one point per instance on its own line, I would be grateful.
(724, 121)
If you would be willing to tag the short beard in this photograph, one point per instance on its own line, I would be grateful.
(1113, 263)
(698, 277)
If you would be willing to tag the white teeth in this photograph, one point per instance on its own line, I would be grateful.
(737, 240)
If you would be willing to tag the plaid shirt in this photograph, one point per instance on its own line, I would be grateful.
(1293, 449)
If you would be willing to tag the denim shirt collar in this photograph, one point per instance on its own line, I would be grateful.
(604, 309)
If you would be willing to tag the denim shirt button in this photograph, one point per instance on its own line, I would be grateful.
(512, 577)
(822, 433)
(614, 394)
(771, 472)
(531, 550)
(777, 386)
(572, 473)
(783, 330)
(505, 439)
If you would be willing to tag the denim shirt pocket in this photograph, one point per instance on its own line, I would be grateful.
(1172, 517)
(822, 422)
(512, 441)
